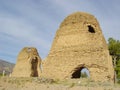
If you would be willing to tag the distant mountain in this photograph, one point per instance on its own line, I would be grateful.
(7, 66)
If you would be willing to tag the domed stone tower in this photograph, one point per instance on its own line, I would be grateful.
(28, 63)
(78, 44)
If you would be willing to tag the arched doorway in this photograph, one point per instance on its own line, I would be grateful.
(34, 63)
(81, 72)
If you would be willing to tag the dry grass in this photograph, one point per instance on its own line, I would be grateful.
(7, 83)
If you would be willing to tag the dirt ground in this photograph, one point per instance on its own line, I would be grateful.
(49, 84)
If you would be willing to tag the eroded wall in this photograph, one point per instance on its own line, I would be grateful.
(79, 42)
(28, 63)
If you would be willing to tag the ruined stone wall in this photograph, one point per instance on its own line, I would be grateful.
(78, 43)
(28, 63)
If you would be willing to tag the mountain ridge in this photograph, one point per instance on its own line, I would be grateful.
(6, 66)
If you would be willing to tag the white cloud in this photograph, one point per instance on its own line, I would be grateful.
(34, 22)
(22, 33)
(19, 29)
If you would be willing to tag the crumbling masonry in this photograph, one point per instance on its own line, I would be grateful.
(28, 63)
(78, 44)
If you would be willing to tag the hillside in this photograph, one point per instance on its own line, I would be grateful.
(7, 66)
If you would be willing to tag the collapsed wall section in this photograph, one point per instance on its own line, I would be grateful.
(28, 63)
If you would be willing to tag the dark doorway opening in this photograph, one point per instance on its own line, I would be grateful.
(81, 72)
(34, 63)
(91, 29)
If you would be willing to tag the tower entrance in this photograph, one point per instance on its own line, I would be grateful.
(81, 72)
(34, 64)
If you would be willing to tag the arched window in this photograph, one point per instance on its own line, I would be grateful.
(91, 29)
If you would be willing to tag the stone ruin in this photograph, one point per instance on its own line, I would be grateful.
(79, 43)
(28, 63)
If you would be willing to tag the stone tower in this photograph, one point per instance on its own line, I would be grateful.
(78, 44)
(28, 63)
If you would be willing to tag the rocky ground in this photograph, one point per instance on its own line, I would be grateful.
(7, 83)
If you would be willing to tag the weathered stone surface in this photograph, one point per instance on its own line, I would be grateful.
(28, 63)
(79, 43)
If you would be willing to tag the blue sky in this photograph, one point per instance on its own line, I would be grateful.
(35, 22)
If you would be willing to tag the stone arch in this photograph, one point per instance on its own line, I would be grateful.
(34, 64)
(77, 72)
